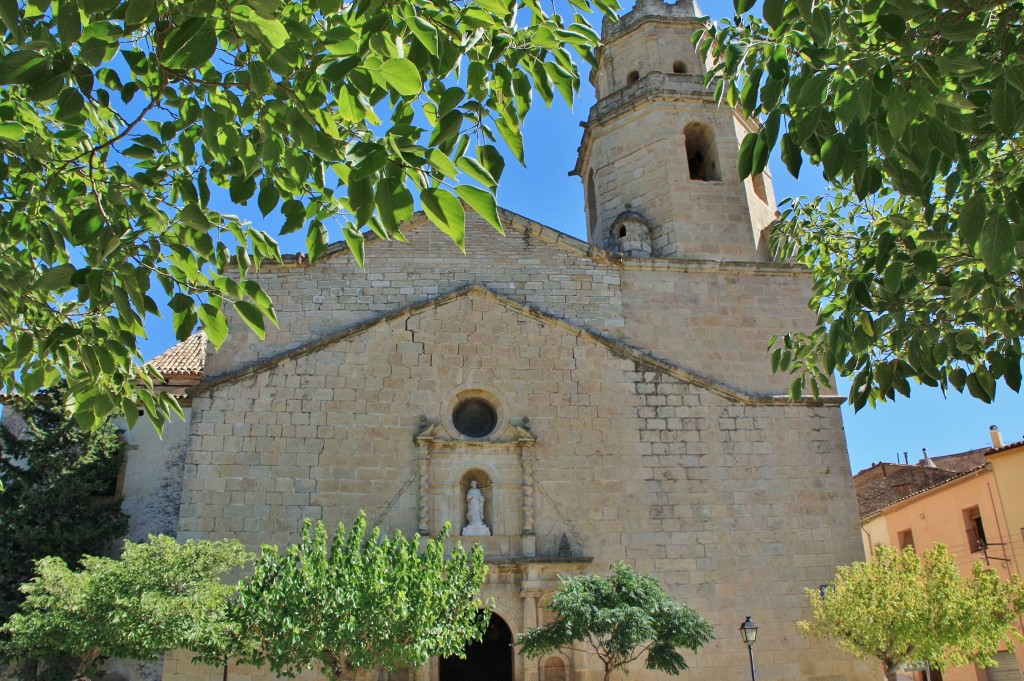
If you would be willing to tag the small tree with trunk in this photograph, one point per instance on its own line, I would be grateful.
(158, 597)
(620, 619)
(358, 601)
(901, 608)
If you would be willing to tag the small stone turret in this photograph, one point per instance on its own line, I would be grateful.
(657, 143)
(630, 235)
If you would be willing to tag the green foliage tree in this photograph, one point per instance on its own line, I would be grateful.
(358, 601)
(123, 125)
(60, 498)
(914, 112)
(901, 608)
(159, 596)
(619, 618)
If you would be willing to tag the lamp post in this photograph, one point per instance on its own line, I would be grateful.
(748, 630)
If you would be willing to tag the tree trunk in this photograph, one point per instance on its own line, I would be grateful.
(87, 661)
(890, 671)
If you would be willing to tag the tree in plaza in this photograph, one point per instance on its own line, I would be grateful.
(900, 608)
(60, 492)
(914, 112)
(620, 619)
(159, 596)
(358, 601)
(128, 129)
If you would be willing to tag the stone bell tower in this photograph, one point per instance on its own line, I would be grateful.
(659, 153)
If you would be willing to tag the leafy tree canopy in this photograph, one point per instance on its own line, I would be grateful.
(60, 499)
(914, 113)
(901, 608)
(358, 601)
(620, 619)
(124, 124)
(159, 596)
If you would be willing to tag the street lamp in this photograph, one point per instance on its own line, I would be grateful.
(748, 630)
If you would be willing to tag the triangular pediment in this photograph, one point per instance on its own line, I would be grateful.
(616, 347)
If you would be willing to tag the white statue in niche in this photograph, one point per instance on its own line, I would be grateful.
(475, 513)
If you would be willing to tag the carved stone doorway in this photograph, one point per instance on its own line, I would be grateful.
(490, 659)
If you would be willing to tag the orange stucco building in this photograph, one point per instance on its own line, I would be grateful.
(972, 502)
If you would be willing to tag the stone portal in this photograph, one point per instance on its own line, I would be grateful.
(489, 659)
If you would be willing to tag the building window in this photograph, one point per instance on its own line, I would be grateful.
(591, 203)
(759, 188)
(905, 539)
(700, 152)
(678, 67)
(975, 530)
(633, 77)
(475, 417)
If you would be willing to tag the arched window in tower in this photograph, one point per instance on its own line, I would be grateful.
(678, 67)
(591, 203)
(701, 156)
(759, 188)
(632, 77)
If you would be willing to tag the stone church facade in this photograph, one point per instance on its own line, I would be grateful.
(611, 400)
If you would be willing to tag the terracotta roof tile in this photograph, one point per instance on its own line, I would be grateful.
(187, 358)
(885, 484)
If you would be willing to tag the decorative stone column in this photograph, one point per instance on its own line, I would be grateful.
(423, 440)
(530, 667)
(527, 457)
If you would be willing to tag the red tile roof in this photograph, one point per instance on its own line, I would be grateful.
(885, 484)
(186, 359)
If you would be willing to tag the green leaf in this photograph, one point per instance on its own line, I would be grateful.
(483, 203)
(447, 213)
(214, 323)
(893, 24)
(403, 76)
(355, 244)
(269, 30)
(1006, 107)
(893, 278)
(139, 12)
(997, 245)
(746, 156)
(791, 154)
(773, 11)
(21, 68)
(971, 220)
(12, 130)
(55, 278)
(252, 317)
(191, 45)
(69, 23)
(477, 171)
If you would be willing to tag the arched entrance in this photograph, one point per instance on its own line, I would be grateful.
(489, 659)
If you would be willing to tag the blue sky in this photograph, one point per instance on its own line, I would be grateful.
(544, 192)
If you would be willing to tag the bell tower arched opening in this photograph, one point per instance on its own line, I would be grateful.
(701, 155)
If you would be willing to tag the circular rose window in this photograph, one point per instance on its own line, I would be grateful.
(475, 417)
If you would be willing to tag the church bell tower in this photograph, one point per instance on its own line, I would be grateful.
(658, 156)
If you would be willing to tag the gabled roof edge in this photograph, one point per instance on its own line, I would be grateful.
(617, 347)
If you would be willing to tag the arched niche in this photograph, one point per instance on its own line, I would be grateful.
(701, 152)
(485, 484)
(554, 668)
(679, 66)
